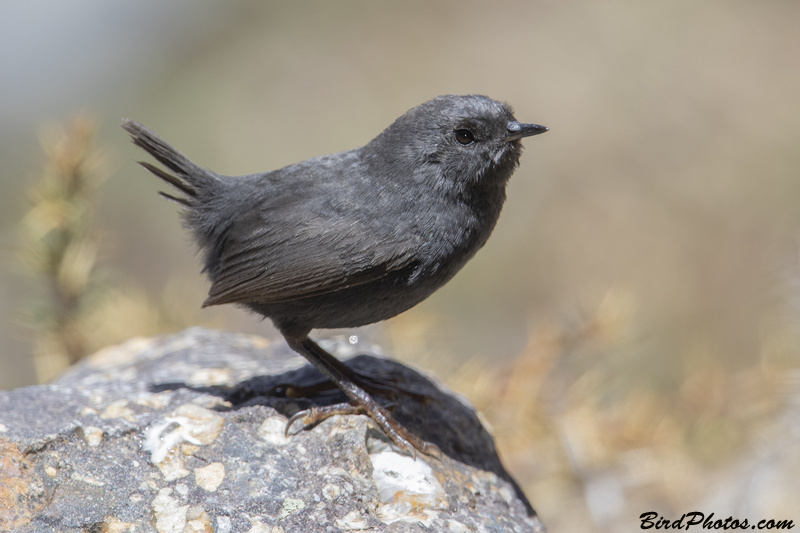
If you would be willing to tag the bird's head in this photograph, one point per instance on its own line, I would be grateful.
(455, 141)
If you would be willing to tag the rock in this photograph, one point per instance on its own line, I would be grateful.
(185, 433)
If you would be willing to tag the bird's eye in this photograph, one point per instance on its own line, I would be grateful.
(464, 137)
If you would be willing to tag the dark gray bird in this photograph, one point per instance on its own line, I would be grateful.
(352, 238)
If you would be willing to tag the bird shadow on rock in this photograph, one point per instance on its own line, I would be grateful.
(423, 407)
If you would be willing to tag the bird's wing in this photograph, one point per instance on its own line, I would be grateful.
(264, 261)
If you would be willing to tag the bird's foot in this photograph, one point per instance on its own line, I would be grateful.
(397, 433)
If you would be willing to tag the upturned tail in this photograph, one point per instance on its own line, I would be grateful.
(207, 208)
(189, 179)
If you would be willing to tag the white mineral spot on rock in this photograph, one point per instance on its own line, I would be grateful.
(457, 527)
(189, 423)
(3, 428)
(92, 435)
(211, 402)
(86, 411)
(205, 425)
(172, 466)
(331, 491)
(118, 409)
(331, 470)
(169, 515)
(210, 477)
(223, 524)
(291, 506)
(257, 341)
(122, 354)
(408, 489)
(256, 526)
(189, 449)
(159, 400)
(87, 479)
(50, 471)
(272, 430)
(112, 524)
(352, 521)
(395, 473)
(198, 520)
(97, 398)
(208, 377)
(507, 494)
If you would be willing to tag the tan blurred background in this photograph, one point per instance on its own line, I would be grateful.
(631, 328)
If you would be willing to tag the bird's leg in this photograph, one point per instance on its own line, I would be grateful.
(360, 401)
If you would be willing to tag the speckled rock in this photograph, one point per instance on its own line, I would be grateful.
(185, 433)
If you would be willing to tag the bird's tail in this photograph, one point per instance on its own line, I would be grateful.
(208, 209)
(191, 180)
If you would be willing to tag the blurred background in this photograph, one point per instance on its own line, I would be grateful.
(630, 331)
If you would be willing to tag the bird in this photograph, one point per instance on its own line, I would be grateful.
(351, 238)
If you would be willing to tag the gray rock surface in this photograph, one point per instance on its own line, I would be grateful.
(185, 433)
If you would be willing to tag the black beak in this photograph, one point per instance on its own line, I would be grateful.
(518, 130)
